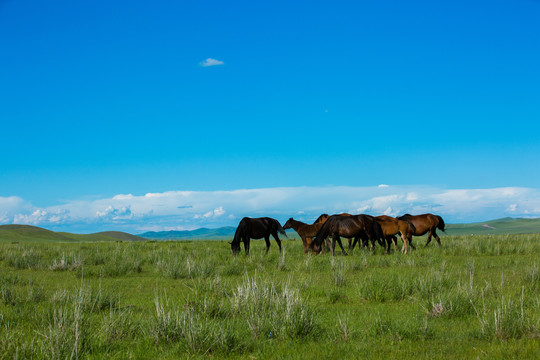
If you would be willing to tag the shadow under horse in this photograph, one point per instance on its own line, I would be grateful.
(256, 228)
(362, 227)
(425, 223)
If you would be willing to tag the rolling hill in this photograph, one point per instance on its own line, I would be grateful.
(496, 227)
(17, 233)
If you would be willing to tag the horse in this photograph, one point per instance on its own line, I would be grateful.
(425, 223)
(306, 231)
(353, 226)
(256, 228)
(391, 226)
(322, 219)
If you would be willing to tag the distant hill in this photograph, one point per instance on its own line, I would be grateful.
(202, 233)
(27, 232)
(34, 233)
(496, 227)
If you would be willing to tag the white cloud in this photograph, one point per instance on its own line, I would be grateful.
(193, 209)
(113, 213)
(211, 62)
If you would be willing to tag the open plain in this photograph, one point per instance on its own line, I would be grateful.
(473, 297)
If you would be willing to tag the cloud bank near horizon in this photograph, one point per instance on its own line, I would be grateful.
(179, 210)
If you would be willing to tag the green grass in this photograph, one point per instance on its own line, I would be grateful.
(474, 297)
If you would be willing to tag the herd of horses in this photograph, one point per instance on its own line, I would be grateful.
(365, 228)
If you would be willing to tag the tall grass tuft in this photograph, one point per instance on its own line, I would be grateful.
(272, 312)
(66, 335)
(167, 324)
(508, 320)
(25, 258)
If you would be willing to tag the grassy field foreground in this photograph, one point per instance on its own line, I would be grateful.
(474, 297)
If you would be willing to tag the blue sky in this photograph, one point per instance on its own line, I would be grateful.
(103, 98)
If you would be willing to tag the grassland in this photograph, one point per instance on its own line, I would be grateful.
(474, 297)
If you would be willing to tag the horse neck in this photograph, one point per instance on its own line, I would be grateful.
(238, 234)
(296, 224)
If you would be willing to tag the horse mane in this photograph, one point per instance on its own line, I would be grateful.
(324, 231)
(240, 231)
(319, 218)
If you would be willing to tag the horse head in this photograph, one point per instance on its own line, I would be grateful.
(288, 224)
(235, 247)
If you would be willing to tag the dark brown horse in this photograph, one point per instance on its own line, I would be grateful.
(256, 228)
(391, 226)
(322, 219)
(425, 223)
(306, 231)
(363, 227)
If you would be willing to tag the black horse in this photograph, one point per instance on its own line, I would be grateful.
(256, 228)
(363, 227)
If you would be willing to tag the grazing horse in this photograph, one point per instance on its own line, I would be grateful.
(425, 223)
(306, 231)
(256, 228)
(391, 226)
(322, 219)
(354, 226)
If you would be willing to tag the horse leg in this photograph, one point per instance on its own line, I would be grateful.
(329, 245)
(350, 244)
(410, 242)
(405, 245)
(306, 244)
(428, 238)
(388, 242)
(267, 239)
(355, 241)
(246, 245)
(393, 238)
(276, 237)
(437, 237)
(340, 244)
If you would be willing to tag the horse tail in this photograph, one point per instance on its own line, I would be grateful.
(280, 229)
(441, 224)
(377, 231)
(411, 226)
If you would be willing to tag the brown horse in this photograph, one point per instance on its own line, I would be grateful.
(306, 231)
(322, 219)
(354, 226)
(425, 223)
(391, 226)
(256, 228)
